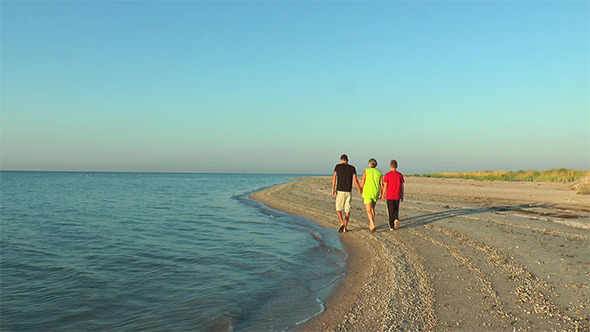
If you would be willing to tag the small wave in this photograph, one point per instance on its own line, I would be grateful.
(159, 207)
(305, 320)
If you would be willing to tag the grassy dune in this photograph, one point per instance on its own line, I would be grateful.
(562, 175)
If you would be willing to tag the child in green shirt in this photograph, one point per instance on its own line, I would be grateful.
(371, 184)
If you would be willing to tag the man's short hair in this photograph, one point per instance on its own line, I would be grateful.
(344, 157)
(372, 162)
(393, 163)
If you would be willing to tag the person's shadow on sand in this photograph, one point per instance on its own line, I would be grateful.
(437, 216)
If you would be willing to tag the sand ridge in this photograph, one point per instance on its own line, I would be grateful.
(470, 256)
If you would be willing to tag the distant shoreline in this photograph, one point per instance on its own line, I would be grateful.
(553, 175)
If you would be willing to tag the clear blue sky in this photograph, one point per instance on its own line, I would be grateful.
(286, 87)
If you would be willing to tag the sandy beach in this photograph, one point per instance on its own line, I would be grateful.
(469, 255)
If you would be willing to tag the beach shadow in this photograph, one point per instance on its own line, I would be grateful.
(447, 214)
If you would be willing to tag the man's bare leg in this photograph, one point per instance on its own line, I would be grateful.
(346, 222)
(340, 218)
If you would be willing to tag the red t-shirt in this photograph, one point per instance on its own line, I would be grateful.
(394, 182)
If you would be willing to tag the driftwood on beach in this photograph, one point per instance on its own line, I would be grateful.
(470, 256)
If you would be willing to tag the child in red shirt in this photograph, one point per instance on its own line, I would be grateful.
(393, 192)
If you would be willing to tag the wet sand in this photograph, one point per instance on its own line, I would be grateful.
(469, 255)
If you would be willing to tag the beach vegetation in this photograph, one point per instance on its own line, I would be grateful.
(562, 175)
(584, 189)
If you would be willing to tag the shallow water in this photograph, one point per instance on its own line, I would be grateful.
(125, 251)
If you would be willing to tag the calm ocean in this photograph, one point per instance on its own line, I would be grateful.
(175, 252)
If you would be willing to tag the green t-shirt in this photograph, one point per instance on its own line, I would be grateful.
(372, 183)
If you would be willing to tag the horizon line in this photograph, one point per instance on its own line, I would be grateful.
(264, 173)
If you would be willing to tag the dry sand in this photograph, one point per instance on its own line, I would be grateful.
(470, 255)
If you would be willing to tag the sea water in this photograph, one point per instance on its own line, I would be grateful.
(174, 252)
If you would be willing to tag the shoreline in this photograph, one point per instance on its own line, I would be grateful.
(356, 266)
(469, 255)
